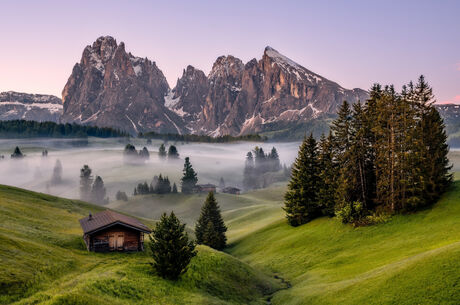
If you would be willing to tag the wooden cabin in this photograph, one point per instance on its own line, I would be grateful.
(110, 231)
(231, 190)
(204, 188)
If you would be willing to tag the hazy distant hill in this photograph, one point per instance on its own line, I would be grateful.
(31, 107)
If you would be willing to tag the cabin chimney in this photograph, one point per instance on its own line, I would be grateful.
(90, 217)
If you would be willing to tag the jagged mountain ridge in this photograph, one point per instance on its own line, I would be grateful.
(252, 97)
(31, 107)
(110, 87)
(113, 88)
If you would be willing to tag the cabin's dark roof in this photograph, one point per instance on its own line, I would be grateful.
(230, 189)
(108, 218)
(206, 185)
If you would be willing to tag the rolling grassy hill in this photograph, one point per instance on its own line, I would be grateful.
(243, 213)
(43, 261)
(411, 259)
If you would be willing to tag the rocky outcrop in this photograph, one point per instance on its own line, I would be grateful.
(112, 88)
(259, 95)
(30, 107)
(188, 97)
(275, 89)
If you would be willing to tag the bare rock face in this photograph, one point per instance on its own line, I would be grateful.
(260, 95)
(30, 107)
(112, 88)
(188, 97)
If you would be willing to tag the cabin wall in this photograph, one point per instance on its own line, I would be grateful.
(117, 238)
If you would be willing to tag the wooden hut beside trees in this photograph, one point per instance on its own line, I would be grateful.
(110, 231)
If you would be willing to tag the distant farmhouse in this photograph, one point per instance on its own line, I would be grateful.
(204, 188)
(110, 231)
(231, 190)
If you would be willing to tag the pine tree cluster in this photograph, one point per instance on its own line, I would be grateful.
(121, 196)
(159, 185)
(131, 155)
(92, 190)
(257, 165)
(386, 156)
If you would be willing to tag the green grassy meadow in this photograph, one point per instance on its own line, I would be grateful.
(410, 259)
(44, 261)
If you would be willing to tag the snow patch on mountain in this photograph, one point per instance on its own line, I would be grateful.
(170, 101)
(291, 66)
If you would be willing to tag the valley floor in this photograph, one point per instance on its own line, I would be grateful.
(411, 259)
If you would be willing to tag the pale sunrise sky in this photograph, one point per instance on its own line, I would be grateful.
(354, 43)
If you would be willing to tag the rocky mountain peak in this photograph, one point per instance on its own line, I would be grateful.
(280, 58)
(188, 97)
(225, 66)
(110, 87)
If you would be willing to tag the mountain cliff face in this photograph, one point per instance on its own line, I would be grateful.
(112, 88)
(261, 95)
(187, 98)
(31, 107)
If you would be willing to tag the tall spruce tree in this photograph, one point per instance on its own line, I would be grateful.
(162, 151)
(170, 247)
(341, 130)
(274, 159)
(86, 182)
(249, 175)
(189, 180)
(98, 191)
(210, 228)
(57, 173)
(328, 172)
(301, 199)
(174, 188)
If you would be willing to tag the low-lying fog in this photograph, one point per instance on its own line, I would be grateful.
(105, 157)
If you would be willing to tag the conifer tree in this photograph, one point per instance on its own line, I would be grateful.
(436, 168)
(86, 181)
(301, 198)
(172, 152)
(17, 153)
(57, 173)
(170, 247)
(120, 195)
(327, 175)
(144, 153)
(162, 151)
(341, 130)
(189, 180)
(98, 191)
(273, 157)
(210, 228)
(249, 179)
(174, 188)
(221, 183)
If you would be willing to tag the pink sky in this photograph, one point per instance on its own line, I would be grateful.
(354, 43)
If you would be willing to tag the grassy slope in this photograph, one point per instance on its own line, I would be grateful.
(243, 213)
(412, 259)
(44, 261)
